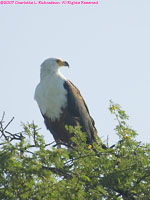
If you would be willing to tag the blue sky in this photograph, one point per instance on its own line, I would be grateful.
(106, 45)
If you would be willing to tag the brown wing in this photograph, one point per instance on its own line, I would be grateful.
(79, 111)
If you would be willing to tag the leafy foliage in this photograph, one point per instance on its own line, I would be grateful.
(31, 169)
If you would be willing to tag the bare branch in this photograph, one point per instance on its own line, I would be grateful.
(3, 116)
(8, 123)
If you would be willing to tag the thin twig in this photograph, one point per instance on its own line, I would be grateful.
(34, 134)
(8, 123)
(49, 144)
(3, 117)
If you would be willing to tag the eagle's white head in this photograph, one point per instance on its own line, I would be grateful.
(51, 66)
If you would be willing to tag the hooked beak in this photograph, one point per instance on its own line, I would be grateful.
(62, 63)
(66, 64)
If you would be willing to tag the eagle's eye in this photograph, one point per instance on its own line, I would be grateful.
(58, 61)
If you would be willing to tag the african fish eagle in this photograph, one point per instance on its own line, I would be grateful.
(61, 103)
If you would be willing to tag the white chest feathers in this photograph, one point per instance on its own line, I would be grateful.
(51, 96)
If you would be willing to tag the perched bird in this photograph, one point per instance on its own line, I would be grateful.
(61, 103)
